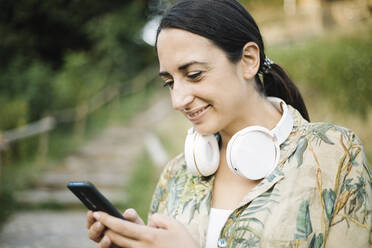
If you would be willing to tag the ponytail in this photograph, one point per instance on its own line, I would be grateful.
(277, 83)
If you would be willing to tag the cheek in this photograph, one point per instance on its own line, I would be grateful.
(222, 89)
(227, 98)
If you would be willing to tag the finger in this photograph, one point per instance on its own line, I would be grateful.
(119, 240)
(90, 219)
(125, 228)
(131, 215)
(105, 242)
(96, 231)
(160, 221)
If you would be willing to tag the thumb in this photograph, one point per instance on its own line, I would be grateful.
(131, 215)
(160, 221)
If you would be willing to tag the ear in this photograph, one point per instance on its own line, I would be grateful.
(250, 60)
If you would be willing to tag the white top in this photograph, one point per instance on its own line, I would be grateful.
(217, 219)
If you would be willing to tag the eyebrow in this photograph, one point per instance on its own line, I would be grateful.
(182, 67)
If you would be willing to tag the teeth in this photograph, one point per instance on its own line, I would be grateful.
(198, 112)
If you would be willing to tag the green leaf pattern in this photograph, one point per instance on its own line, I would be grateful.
(301, 148)
(316, 241)
(157, 197)
(329, 198)
(303, 225)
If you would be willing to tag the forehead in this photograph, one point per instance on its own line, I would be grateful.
(176, 47)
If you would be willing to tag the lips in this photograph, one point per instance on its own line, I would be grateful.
(197, 113)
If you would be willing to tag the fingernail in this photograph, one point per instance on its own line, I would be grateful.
(131, 212)
(96, 215)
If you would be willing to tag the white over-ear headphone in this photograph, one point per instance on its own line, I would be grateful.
(253, 152)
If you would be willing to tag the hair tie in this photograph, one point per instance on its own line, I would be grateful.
(266, 67)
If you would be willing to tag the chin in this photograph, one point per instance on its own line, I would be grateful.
(205, 129)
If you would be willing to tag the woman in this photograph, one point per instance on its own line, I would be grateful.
(255, 172)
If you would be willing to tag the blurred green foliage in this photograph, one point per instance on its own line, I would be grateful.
(338, 66)
(56, 54)
(142, 185)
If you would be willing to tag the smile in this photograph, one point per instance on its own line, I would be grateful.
(197, 114)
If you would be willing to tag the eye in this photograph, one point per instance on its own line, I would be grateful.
(168, 83)
(194, 75)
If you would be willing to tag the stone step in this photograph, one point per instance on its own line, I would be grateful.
(113, 141)
(99, 161)
(105, 179)
(65, 197)
(41, 229)
(110, 151)
(107, 161)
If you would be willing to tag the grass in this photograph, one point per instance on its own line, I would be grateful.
(142, 185)
(337, 66)
(7, 203)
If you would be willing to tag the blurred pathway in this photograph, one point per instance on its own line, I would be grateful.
(107, 161)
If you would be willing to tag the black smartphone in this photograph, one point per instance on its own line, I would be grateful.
(92, 198)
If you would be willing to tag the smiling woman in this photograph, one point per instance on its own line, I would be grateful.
(255, 172)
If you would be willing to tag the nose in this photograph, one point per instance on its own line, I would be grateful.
(181, 96)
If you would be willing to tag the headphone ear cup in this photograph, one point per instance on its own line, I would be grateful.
(252, 153)
(202, 153)
(189, 154)
(207, 154)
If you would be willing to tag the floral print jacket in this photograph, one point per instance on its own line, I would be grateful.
(320, 195)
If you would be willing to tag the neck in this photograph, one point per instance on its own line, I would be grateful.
(258, 112)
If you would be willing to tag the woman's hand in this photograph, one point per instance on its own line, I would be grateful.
(162, 231)
(96, 229)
